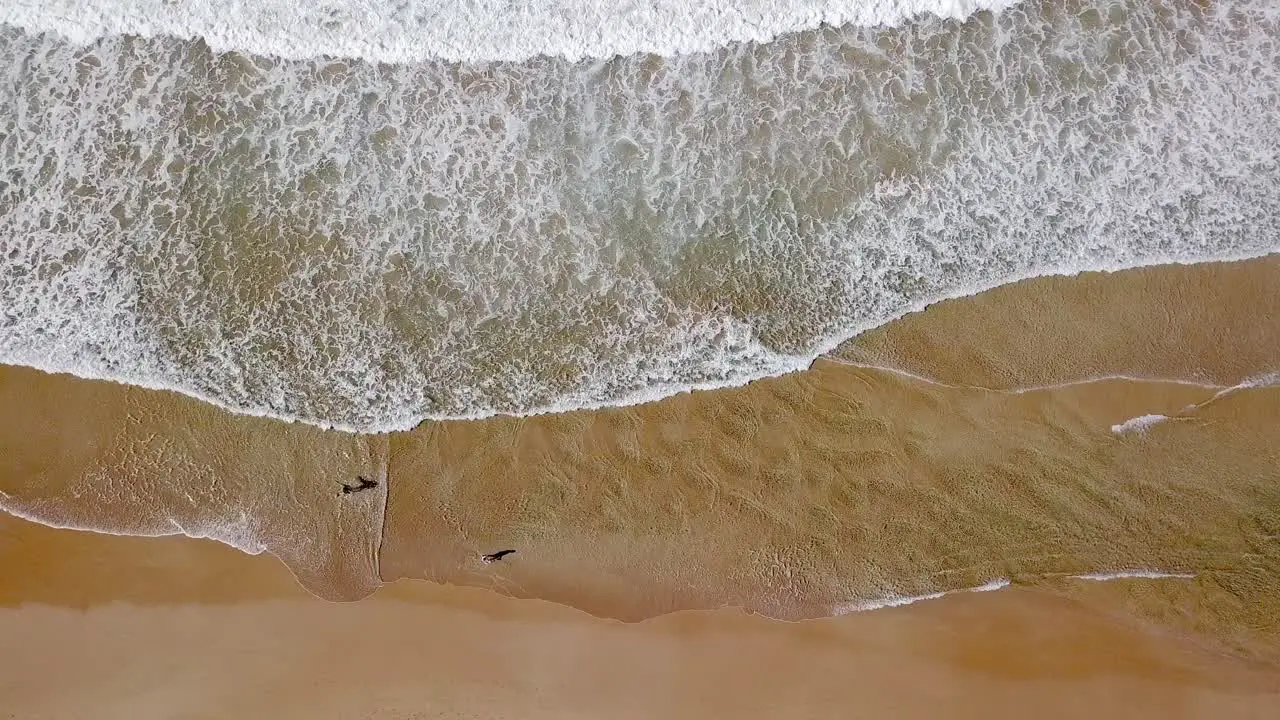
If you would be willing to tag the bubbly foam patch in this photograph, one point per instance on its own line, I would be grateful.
(366, 246)
(465, 30)
(1138, 424)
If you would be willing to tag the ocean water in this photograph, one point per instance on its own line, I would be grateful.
(471, 31)
(364, 220)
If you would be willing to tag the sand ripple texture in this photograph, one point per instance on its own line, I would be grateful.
(793, 497)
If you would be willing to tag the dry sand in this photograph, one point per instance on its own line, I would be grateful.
(792, 497)
(121, 627)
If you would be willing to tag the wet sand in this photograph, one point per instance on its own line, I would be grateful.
(1215, 322)
(793, 497)
(124, 627)
(118, 458)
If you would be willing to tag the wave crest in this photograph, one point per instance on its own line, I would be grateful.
(399, 31)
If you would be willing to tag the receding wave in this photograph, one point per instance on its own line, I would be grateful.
(465, 30)
(366, 245)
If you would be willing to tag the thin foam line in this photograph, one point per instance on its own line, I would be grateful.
(1028, 388)
(1128, 574)
(999, 584)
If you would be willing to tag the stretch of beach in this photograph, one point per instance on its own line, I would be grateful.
(1037, 435)
(123, 627)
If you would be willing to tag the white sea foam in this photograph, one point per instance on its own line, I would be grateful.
(1138, 424)
(364, 247)
(466, 30)
(1262, 380)
(997, 584)
(900, 600)
(1140, 574)
(1141, 424)
(884, 602)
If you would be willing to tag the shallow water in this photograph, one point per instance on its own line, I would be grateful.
(837, 488)
(365, 245)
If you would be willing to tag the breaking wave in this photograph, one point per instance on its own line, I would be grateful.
(366, 245)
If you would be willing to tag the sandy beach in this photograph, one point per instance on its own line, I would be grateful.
(120, 627)
(427, 360)
(797, 497)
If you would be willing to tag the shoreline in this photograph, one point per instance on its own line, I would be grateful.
(842, 348)
(857, 605)
(492, 43)
(235, 637)
(787, 497)
(176, 530)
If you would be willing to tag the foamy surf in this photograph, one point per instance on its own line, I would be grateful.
(365, 247)
(1139, 425)
(892, 601)
(407, 31)
(1134, 574)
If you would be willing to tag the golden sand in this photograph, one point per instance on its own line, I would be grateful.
(128, 628)
(794, 497)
